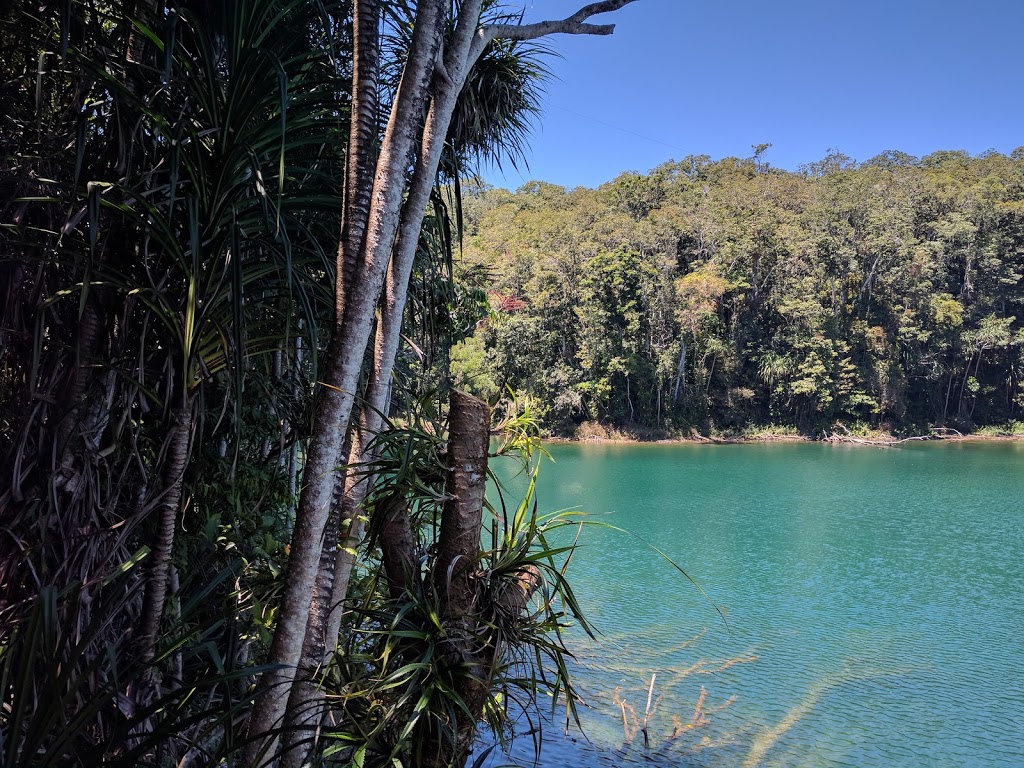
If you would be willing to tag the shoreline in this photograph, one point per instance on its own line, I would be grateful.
(881, 441)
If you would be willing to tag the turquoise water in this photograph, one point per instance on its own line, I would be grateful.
(874, 604)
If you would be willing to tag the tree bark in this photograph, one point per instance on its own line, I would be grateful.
(459, 59)
(397, 540)
(356, 300)
(341, 374)
(169, 503)
(305, 701)
(462, 515)
(455, 574)
(362, 138)
(680, 371)
(398, 557)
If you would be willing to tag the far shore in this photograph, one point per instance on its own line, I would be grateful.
(875, 439)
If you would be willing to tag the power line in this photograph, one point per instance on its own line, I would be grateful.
(619, 128)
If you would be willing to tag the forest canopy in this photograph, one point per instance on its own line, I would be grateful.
(729, 295)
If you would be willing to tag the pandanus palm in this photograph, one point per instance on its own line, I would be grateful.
(485, 119)
(228, 216)
(199, 180)
(491, 115)
(167, 240)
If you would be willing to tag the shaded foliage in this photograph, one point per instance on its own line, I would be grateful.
(170, 201)
(168, 195)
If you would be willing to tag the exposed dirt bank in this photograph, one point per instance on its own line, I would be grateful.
(875, 439)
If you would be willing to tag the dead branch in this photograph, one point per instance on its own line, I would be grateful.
(573, 25)
(844, 436)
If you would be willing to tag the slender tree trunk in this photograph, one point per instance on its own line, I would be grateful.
(963, 387)
(73, 453)
(362, 139)
(397, 541)
(356, 300)
(680, 371)
(175, 462)
(341, 374)
(446, 91)
(306, 700)
(398, 557)
(360, 169)
(378, 400)
(469, 422)
(949, 390)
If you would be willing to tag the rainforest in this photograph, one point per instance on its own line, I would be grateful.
(276, 369)
(730, 297)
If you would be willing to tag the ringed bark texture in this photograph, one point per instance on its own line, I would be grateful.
(170, 501)
(305, 703)
(362, 140)
(455, 572)
(342, 368)
(462, 514)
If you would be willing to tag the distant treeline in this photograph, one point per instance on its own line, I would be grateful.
(718, 295)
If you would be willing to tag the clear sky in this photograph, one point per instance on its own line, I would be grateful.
(714, 77)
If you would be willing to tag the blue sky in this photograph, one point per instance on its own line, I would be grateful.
(715, 77)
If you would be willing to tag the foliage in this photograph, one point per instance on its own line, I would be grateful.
(394, 682)
(718, 295)
(75, 694)
(170, 198)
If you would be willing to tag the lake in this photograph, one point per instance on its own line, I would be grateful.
(873, 602)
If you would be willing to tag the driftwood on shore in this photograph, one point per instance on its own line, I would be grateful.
(842, 435)
(837, 434)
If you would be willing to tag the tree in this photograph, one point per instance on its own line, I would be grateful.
(170, 176)
(434, 74)
(846, 292)
(166, 182)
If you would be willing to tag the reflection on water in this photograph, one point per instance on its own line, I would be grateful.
(875, 605)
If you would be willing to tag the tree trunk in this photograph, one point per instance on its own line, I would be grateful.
(306, 700)
(169, 503)
(458, 547)
(455, 572)
(397, 558)
(363, 135)
(397, 541)
(356, 300)
(680, 371)
(305, 703)
(341, 375)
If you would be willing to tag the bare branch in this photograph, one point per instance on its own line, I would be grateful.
(573, 25)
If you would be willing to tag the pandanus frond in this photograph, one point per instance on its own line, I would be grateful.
(501, 98)
(169, 231)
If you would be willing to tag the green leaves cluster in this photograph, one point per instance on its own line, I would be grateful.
(170, 195)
